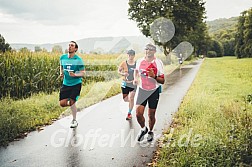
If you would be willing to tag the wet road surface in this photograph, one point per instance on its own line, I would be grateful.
(103, 137)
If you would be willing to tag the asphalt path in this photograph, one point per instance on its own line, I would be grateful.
(103, 137)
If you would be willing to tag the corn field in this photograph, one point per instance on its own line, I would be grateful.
(25, 73)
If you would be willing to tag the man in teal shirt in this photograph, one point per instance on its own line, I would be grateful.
(72, 71)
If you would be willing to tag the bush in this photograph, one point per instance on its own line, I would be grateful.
(211, 54)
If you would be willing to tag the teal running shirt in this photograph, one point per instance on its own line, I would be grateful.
(74, 65)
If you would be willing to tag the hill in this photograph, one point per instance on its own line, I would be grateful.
(218, 25)
(98, 44)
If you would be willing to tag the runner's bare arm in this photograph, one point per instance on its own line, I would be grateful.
(136, 75)
(121, 70)
(61, 71)
(77, 73)
(159, 79)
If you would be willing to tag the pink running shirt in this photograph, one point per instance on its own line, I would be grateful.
(146, 82)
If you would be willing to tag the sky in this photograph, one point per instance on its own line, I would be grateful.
(44, 21)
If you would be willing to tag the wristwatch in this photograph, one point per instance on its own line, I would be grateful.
(155, 77)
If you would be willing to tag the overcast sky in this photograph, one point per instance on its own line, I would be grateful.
(44, 21)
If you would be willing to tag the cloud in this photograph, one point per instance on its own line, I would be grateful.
(225, 9)
(56, 12)
(44, 21)
(34, 10)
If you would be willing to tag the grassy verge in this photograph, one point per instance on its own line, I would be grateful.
(213, 124)
(17, 117)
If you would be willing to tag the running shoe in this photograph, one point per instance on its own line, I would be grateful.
(142, 133)
(73, 124)
(129, 117)
(150, 136)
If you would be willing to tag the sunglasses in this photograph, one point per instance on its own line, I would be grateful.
(150, 49)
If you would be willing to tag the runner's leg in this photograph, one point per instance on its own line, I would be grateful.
(152, 118)
(73, 108)
(125, 92)
(63, 102)
(75, 93)
(131, 100)
(125, 97)
(153, 102)
(139, 115)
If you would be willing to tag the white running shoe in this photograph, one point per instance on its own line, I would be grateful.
(73, 124)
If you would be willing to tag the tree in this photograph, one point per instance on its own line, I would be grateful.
(44, 50)
(226, 37)
(24, 50)
(228, 47)
(217, 47)
(248, 34)
(187, 17)
(239, 38)
(200, 40)
(57, 49)
(37, 49)
(4, 46)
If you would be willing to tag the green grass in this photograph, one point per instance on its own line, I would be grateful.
(18, 117)
(213, 124)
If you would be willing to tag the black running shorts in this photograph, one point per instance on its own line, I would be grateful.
(152, 97)
(128, 89)
(72, 92)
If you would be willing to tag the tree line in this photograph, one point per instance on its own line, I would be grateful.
(5, 47)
